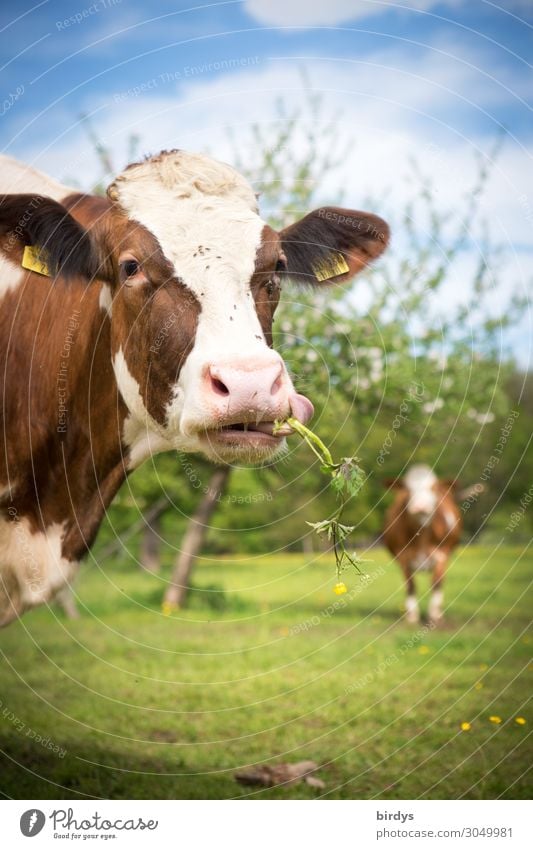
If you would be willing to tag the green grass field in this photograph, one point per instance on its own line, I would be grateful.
(129, 703)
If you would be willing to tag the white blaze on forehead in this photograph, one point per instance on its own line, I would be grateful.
(204, 216)
(420, 477)
(420, 481)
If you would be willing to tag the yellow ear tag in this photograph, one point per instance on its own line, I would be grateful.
(32, 259)
(330, 266)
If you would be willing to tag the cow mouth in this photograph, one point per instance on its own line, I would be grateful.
(258, 437)
(249, 433)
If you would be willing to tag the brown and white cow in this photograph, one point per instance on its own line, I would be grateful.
(422, 526)
(151, 332)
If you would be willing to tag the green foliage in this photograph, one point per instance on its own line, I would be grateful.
(345, 481)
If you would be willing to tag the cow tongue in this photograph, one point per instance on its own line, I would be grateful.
(301, 407)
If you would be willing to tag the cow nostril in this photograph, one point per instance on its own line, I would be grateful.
(218, 386)
(276, 386)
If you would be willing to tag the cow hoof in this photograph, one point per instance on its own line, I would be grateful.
(436, 620)
(412, 611)
(412, 618)
(435, 607)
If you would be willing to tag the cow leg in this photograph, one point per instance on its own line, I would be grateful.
(437, 596)
(412, 611)
(66, 599)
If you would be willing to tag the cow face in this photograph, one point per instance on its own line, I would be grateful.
(191, 280)
(419, 489)
(421, 493)
(421, 485)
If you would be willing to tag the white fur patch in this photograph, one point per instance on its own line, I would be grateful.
(142, 435)
(439, 556)
(450, 518)
(105, 299)
(18, 178)
(412, 609)
(32, 568)
(131, 393)
(139, 427)
(420, 476)
(7, 490)
(420, 481)
(435, 605)
(422, 561)
(11, 276)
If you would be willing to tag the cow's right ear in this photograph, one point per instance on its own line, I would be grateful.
(67, 248)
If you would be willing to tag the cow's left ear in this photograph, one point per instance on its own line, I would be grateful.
(44, 224)
(393, 483)
(330, 245)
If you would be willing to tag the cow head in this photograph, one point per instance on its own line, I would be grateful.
(422, 492)
(421, 485)
(190, 278)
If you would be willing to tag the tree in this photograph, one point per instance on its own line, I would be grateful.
(177, 590)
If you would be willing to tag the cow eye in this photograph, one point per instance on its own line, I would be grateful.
(130, 267)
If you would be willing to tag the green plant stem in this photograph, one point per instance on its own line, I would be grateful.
(329, 467)
(312, 440)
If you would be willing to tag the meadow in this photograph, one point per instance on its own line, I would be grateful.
(265, 665)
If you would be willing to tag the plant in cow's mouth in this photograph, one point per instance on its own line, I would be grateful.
(346, 479)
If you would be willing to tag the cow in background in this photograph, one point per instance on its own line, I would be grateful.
(422, 527)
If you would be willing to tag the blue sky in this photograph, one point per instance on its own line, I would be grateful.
(71, 56)
(471, 59)
(437, 80)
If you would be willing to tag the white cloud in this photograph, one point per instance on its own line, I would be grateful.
(391, 111)
(309, 13)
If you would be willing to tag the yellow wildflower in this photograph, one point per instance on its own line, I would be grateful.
(495, 719)
(465, 726)
(478, 686)
(167, 608)
(340, 588)
(520, 720)
(423, 650)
